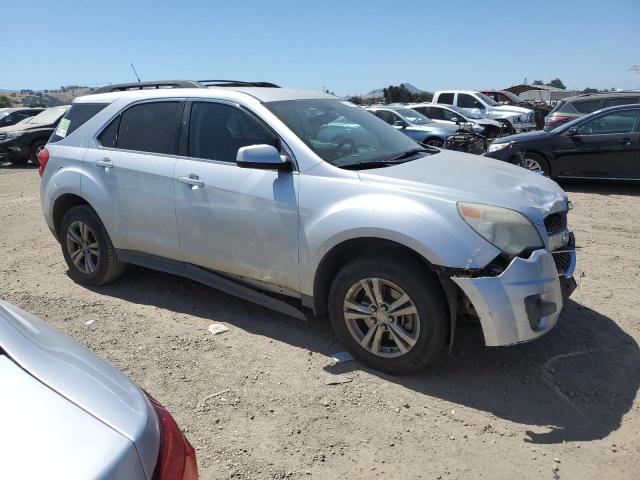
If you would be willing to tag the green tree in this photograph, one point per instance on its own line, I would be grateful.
(557, 83)
(4, 101)
(538, 82)
(590, 90)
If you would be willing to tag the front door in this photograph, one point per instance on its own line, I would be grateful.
(234, 220)
(602, 147)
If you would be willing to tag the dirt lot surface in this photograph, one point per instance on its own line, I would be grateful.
(254, 403)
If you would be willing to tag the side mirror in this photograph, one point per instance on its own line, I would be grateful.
(262, 157)
(399, 123)
(455, 119)
(573, 132)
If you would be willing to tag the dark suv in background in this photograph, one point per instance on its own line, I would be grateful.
(574, 107)
(11, 116)
(22, 142)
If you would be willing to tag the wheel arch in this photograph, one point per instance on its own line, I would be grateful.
(62, 205)
(347, 250)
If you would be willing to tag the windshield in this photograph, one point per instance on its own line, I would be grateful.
(412, 116)
(342, 133)
(47, 117)
(488, 100)
(4, 113)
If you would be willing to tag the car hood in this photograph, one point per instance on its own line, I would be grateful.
(456, 176)
(81, 377)
(486, 121)
(525, 137)
(24, 126)
(512, 109)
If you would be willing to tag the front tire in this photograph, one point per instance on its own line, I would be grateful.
(389, 313)
(87, 248)
(433, 142)
(535, 163)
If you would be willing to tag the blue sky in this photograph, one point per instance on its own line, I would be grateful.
(346, 46)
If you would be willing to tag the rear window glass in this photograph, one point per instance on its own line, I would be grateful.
(446, 98)
(75, 117)
(587, 106)
(148, 127)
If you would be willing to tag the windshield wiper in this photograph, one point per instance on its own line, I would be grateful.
(402, 158)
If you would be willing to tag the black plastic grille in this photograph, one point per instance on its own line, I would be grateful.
(556, 222)
(562, 260)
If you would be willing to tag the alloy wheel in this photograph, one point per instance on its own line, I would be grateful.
(82, 246)
(531, 164)
(381, 317)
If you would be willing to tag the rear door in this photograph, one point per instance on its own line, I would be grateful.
(605, 146)
(234, 220)
(132, 171)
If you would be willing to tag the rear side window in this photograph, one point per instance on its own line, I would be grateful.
(148, 127)
(75, 117)
(433, 113)
(587, 106)
(446, 98)
(611, 102)
(109, 135)
(217, 131)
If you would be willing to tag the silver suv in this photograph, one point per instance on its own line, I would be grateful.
(301, 201)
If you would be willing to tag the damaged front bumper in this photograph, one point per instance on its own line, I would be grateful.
(523, 302)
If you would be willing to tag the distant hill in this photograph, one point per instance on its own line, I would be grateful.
(48, 98)
(378, 93)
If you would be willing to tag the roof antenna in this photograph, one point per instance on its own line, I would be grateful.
(136, 73)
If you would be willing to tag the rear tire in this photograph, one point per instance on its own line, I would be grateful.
(35, 149)
(87, 248)
(407, 341)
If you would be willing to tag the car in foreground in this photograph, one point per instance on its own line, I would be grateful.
(571, 108)
(602, 145)
(239, 187)
(414, 124)
(515, 119)
(453, 116)
(21, 142)
(65, 413)
(11, 116)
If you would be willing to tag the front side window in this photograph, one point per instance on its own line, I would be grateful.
(433, 113)
(386, 115)
(413, 117)
(467, 101)
(148, 127)
(217, 131)
(446, 98)
(341, 133)
(612, 123)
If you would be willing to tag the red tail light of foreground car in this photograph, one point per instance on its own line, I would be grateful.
(43, 158)
(176, 458)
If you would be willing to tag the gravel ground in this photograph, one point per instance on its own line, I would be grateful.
(254, 403)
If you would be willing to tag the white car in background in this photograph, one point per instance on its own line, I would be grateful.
(517, 119)
(450, 115)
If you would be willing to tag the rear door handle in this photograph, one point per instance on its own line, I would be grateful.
(105, 163)
(192, 180)
(625, 141)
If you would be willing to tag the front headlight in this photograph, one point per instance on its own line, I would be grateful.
(517, 119)
(494, 147)
(14, 134)
(506, 229)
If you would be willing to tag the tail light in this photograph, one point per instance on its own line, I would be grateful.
(43, 158)
(551, 120)
(176, 458)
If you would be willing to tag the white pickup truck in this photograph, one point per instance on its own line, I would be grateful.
(517, 119)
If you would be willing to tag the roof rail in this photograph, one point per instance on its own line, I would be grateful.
(236, 83)
(122, 87)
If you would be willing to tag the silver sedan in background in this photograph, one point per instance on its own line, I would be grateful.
(65, 413)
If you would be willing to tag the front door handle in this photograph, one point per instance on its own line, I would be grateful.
(625, 141)
(192, 180)
(105, 163)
